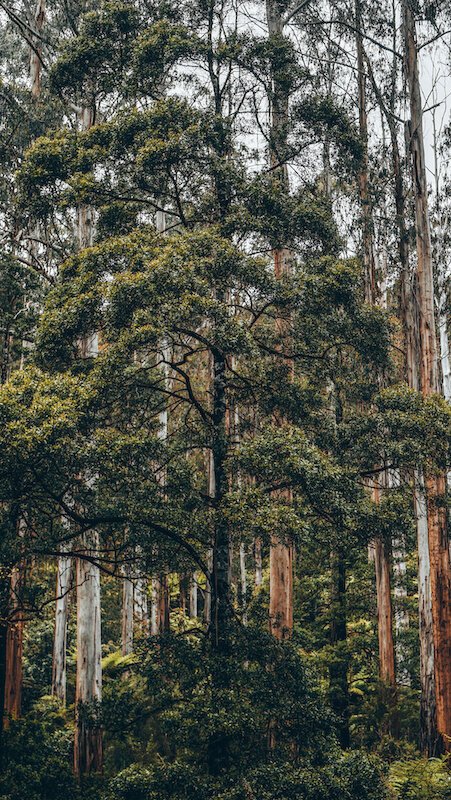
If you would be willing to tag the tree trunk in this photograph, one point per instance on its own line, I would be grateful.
(88, 748)
(211, 494)
(88, 755)
(63, 588)
(193, 611)
(258, 562)
(127, 615)
(338, 665)
(221, 572)
(435, 485)
(14, 650)
(281, 553)
(378, 550)
(183, 593)
(428, 721)
(369, 260)
(402, 620)
(154, 606)
(141, 610)
(36, 50)
(385, 629)
(243, 583)
(13, 634)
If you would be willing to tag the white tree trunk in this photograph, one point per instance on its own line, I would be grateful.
(401, 614)
(88, 694)
(155, 591)
(141, 605)
(63, 589)
(88, 748)
(193, 610)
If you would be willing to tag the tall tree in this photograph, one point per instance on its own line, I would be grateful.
(438, 541)
(281, 553)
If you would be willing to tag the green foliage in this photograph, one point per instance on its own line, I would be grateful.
(36, 757)
(197, 699)
(421, 779)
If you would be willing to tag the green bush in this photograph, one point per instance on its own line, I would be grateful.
(421, 779)
(36, 761)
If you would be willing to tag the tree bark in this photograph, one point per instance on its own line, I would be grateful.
(14, 650)
(159, 605)
(127, 615)
(88, 749)
(281, 553)
(378, 550)
(428, 718)
(258, 562)
(36, 51)
(338, 666)
(63, 588)
(435, 485)
(193, 611)
(141, 605)
(221, 572)
(243, 583)
(369, 260)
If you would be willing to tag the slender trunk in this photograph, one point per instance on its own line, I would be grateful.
(428, 722)
(281, 553)
(442, 274)
(221, 574)
(258, 562)
(439, 555)
(338, 665)
(127, 615)
(378, 550)
(164, 607)
(14, 650)
(243, 583)
(13, 635)
(183, 593)
(408, 302)
(141, 609)
(402, 620)
(193, 611)
(154, 606)
(369, 260)
(160, 610)
(63, 588)
(211, 494)
(3, 637)
(36, 50)
(88, 748)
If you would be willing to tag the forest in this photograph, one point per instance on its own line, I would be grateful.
(225, 400)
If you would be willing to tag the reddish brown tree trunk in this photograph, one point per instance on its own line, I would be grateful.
(14, 650)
